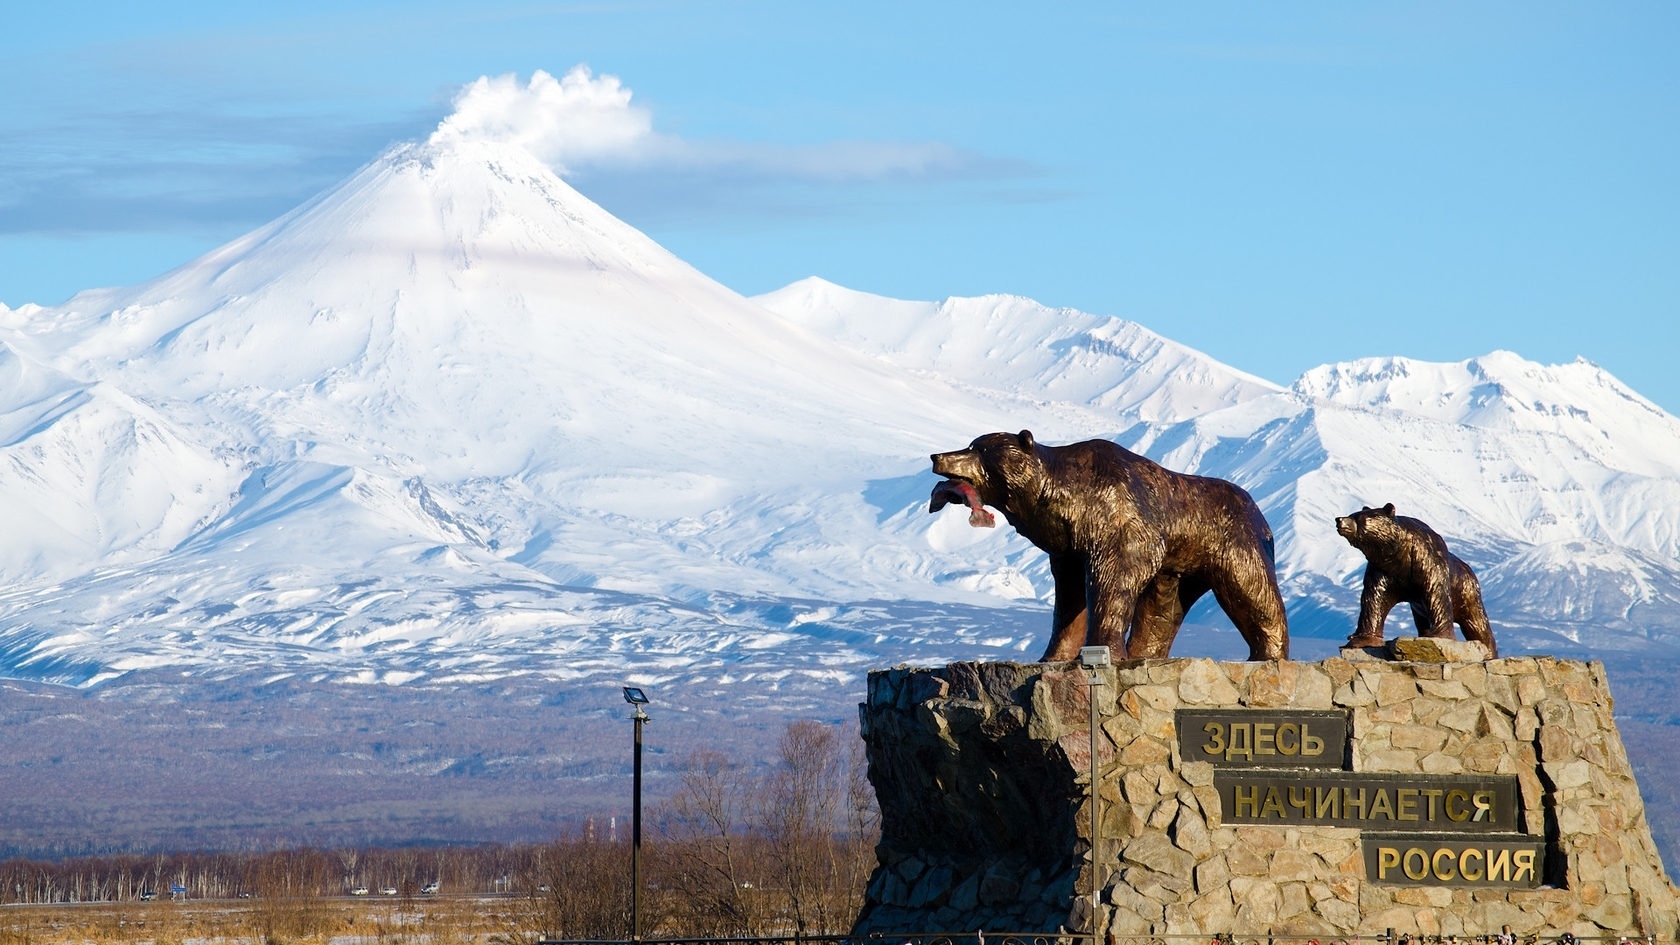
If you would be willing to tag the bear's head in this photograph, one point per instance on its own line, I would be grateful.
(992, 468)
(1368, 526)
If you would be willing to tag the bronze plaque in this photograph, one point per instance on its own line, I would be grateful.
(1453, 803)
(1401, 860)
(1263, 738)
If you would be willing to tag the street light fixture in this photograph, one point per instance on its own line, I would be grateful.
(1093, 659)
(637, 698)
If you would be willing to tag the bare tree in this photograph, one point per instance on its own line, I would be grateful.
(863, 830)
(579, 888)
(703, 832)
(288, 887)
(804, 814)
(350, 859)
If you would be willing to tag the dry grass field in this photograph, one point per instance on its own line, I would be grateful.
(347, 921)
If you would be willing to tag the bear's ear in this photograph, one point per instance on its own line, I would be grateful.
(1388, 510)
(1026, 439)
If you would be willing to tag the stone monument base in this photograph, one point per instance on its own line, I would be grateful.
(1335, 798)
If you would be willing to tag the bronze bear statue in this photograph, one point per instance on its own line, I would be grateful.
(1132, 545)
(1406, 561)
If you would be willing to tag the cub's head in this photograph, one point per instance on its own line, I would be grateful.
(1368, 525)
(993, 466)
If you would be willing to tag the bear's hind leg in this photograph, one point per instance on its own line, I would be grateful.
(1467, 608)
(1471, 616)
(1472, 619)
(1257, 613)
(1420, 617)
(1160, 612)
(1434, 615)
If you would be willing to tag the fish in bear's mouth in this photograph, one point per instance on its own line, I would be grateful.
(957, 492)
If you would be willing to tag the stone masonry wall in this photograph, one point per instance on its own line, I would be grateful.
(980, 770)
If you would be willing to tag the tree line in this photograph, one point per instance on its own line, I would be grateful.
(786, 848)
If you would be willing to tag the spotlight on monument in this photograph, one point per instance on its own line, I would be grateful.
(1094, 659)
(637, 698)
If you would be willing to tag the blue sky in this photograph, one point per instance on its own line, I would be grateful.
(1279, 185)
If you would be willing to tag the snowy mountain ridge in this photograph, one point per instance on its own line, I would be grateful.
(1028, 349)
(452, 422)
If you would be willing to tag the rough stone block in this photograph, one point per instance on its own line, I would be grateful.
(1436, 896)
(932, 887)
(1483, 756)
(1203, 683)
(1337, 913)
(1399, 713)
(1440, 763)
(1294, 866)
(1154, 851)
(1462, 717)
(1000, 886)
(1417, 737)
(1391, 760)
(1257, 901)
(1263, 840)
(1393, 687)
(1430, 650)
(1190, 833)
(1213, 875)
(1364, 654)
(1449, 690)
(1145, 751)
(966, 896)
(1293, 902)
(1243, 860)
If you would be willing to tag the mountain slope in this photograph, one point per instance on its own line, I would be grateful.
(1017, 345)
(92, 476)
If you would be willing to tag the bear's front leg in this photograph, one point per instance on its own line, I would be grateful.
(1069, 618)
(1375, 601)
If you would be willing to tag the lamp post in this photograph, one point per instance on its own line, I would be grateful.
(637, 698)
(1094, 659)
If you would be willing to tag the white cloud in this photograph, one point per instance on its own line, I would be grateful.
(569, 122)
(585, 122)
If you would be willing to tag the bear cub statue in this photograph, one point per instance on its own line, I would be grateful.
(1406, 561)
(1132, 545)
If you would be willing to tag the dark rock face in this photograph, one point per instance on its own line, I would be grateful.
(981, 774)
(1132, 545)
(977, 813)
(1408, 562)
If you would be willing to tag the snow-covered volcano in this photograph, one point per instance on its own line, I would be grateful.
(452, 421)
(452, 401)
